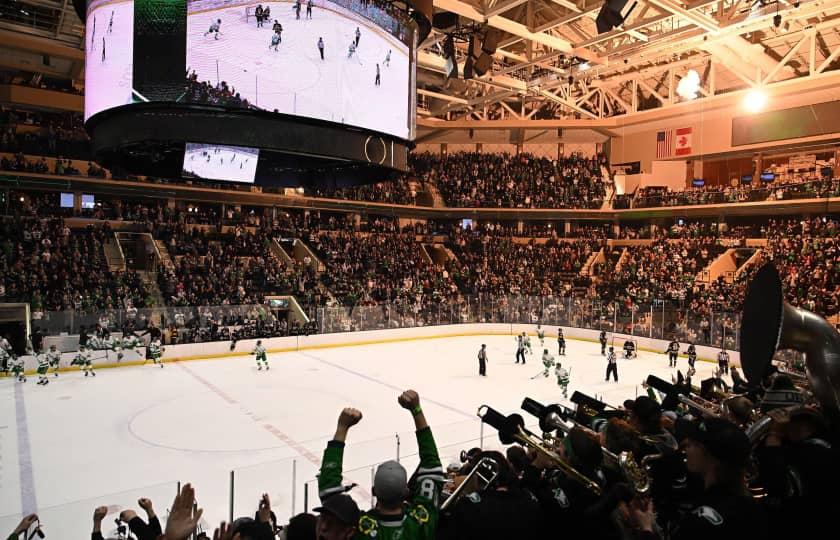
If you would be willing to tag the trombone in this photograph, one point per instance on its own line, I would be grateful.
(480, 478)
(512, 430)
(551, 418)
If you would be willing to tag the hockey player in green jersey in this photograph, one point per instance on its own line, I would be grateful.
(54, 359)
(259, 350)
(155, 351)
(404, 510)
(84, 361)
(16, 367)
(43, 366)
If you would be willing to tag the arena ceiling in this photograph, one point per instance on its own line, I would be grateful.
(538, 70)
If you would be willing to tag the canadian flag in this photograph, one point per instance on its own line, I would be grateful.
(682, 141)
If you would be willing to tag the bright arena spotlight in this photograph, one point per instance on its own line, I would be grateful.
(755, 100)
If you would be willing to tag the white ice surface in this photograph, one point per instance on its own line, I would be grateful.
(108, 82)
(294, 79)
(136, 431)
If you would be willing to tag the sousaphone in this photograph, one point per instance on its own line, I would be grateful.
(769, 324)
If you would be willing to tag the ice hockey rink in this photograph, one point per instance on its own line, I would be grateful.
(293, 79)
(134, 432)
(111, 76)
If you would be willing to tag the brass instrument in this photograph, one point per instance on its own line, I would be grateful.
(769, 324)
(703, 406)
(551, 418)
(512, 430)
(479, 479)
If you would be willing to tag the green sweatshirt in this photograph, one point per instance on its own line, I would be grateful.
(419, 517)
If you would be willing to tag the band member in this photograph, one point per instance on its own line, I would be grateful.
(723, 361)
(603, 339)
(482, 360)
(612, 366)
(673, 351)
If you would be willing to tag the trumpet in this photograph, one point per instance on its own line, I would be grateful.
(480, 478)
(512, 430)
(552, 418)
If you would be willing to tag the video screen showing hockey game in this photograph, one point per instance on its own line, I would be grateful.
(318, 59)
(219, 162)
(109, 35)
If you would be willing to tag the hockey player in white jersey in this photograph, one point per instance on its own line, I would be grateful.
(527, 340)
(548, 362)
(214, 28)
(54, 359)
(43, 367)
(16, 367)
(259, 351)
(562, 378)
(84, 360)
(275, 41)
(541, 335)
(155, 352)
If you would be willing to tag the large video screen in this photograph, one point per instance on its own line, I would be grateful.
(220, 162)
(323, 60)
(109, 32)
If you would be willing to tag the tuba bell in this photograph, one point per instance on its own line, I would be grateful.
(769, 324)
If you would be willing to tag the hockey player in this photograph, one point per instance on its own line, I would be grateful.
(612, 365)
(673, 351)
(214, 28)
(16, 367)
(377, 80)
(548, 362)
(130, 342)
(155, 352)
(561, 342)
(6, 354)
(111, 22)
(259, 350)
(482, 360)
(527, 340)
(296, 7)
(258, 14)
(43, 366)
(541, 335)
(275, 41)
(387, 61)
(603, 339)
(351, 49)
(520, 348)
(83, 360)
(321, 47)
(629, 349)
(358, 35)
(562, 378)
(309, 9)
(723, 361)
(54, 359)
(692, 356)
(103, 49)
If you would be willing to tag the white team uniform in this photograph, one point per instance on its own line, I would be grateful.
(562, 379)
(548, 363)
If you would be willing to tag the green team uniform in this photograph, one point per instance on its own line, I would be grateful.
(83, 360)
(155, 352)
(527, 341)
(419, 518)
(259, 350)
(16, 367)
(562, 379)
(43, 366)
(54, 359)
(548, 362)
(541, 335)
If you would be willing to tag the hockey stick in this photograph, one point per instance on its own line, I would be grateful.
(538, 374)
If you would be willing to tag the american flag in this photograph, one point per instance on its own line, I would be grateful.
(664, 143)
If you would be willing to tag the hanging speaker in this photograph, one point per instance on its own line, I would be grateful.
(491, 41)
(483, 64)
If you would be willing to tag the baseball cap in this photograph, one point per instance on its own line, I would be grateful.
(252, 529)
(341, 506)
(644, 407)
(390, 481)
(721, 438)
